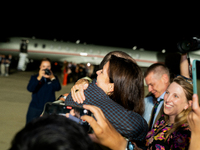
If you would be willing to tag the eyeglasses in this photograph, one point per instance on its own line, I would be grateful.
(189, 80)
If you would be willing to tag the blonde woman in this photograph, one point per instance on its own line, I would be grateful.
(172, 131)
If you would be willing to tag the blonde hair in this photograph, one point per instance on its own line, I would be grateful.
(181, 118)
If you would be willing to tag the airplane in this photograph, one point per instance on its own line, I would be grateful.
(31, 48)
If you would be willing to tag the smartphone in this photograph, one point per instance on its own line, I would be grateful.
(196, 77)
(72, 112)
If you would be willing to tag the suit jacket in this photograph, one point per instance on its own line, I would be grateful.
(150, 100)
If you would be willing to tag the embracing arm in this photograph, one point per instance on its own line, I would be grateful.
(77, 90)
(127, 123)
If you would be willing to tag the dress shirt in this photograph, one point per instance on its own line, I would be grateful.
(128, 123)
(148, 108)
(159, 107)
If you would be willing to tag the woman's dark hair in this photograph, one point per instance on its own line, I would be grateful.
(128, 84)
(115, 53)
(52, 132)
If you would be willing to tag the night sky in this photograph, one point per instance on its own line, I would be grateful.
(149, 29)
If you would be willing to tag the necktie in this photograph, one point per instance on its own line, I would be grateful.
(154, 112)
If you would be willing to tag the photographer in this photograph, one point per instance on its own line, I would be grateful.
(43, 86)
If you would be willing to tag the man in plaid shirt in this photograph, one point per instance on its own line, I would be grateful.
(128, 123)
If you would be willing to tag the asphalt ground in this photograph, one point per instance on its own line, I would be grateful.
(14, 101)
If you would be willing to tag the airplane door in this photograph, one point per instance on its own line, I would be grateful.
(23, 55)
(24, 46)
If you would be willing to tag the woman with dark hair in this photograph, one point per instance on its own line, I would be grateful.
(123, 93)
(119, 92)
(127, 77)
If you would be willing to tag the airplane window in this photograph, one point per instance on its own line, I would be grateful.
(43, 46)
(36, 45)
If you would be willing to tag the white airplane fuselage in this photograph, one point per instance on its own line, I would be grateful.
(78, 53)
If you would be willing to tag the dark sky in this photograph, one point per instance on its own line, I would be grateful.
(149, 29)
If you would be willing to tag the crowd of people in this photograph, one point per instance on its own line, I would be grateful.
(5, 62)
(124, 118)
(71, 72)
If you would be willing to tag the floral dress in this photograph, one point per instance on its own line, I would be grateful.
(178, 140)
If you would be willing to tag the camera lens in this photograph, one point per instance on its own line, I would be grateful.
(47, 71)
(186, 45)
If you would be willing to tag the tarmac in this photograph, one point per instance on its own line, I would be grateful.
(14, 102)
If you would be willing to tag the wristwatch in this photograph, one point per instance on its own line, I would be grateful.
(129, 146)
(53, 78)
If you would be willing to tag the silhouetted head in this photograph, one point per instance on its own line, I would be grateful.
(52, 132)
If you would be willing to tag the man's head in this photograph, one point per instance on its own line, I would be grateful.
(52, 132)
(157, 78)
(115, 53)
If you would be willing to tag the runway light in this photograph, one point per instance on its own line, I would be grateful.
(78, 41)
(83, 54)
(134, 47)
(88, 64)
(163, 51)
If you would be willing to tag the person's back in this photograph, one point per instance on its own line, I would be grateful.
(113, 93)
(128, 123)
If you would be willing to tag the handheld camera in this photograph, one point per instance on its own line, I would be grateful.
(47, 71)
(72, 112)
(188, 45)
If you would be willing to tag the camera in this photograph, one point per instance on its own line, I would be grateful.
(73, 112)
(47, 71)
(188, 45)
